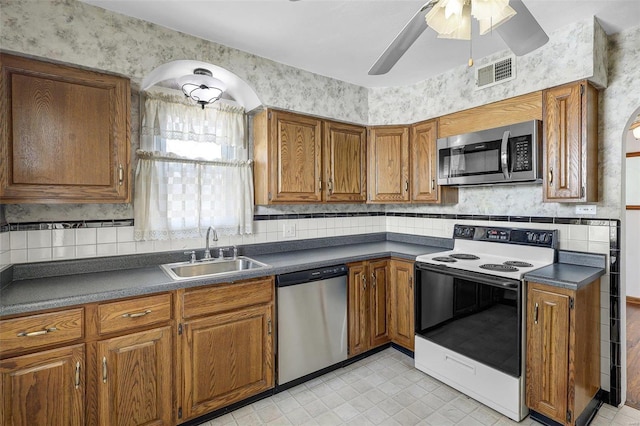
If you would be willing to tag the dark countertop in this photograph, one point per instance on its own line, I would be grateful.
(565, 275)
(33, 294)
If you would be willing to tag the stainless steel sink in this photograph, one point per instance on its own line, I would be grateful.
(210, 268)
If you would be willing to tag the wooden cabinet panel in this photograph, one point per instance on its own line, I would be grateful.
(44, 388)
(227, 358)
(134, 313)
(345, 162)
(509, 111)
(295, 157)
(136, 379)
(19, 335)
(66, 137)
(388, 152)
(368, 305)
(547, 352)
(358, 310)
(223, 298)
(379, 300)
(424, 175)
(401, 305)
(570, 143)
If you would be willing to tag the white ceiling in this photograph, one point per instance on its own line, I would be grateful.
(342, 39)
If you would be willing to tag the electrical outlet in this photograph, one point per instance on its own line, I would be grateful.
(289, 230)
(586, 209)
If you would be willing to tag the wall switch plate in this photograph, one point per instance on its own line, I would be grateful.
(586, 209)
(289, 230)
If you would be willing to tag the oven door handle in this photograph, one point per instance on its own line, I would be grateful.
(471, 276)
(504, 154)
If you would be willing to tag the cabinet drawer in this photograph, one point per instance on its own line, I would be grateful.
(36, 331)
(127, 314)
(227, 297)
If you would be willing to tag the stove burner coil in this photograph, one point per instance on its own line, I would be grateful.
(518, 264)
(445, 259)
(464, 256)
(498, 267)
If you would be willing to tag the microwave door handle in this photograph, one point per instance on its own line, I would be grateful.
(504, 154)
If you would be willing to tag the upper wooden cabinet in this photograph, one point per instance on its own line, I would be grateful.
(303, 159)
(424, 173)
(65, 134)
(345, 162)
(388, 152)
(571, 143)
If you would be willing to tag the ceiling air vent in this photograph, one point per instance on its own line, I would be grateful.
(496, 72)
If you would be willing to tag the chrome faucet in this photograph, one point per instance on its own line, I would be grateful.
(207, 252)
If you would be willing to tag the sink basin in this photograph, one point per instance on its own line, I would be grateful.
(210, 268)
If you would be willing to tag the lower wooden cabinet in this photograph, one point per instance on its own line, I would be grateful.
(135, 386)
(563, 350)
(44, 388)
(401, 305)
(368, 305)
(227, 356)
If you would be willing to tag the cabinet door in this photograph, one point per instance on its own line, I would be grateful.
(547, 352)
(135, 385)
(379, 302)
(44, 388)
(67, 134)
(226, 358)
(401, 304)
(357, 309)
(388, 152)
(345, 162)
(424, 174)
(295, 158)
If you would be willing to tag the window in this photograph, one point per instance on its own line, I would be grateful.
(193, 172)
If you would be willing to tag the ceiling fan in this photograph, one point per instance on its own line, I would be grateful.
(521, 32)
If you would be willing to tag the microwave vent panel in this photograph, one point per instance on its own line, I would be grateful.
(496, 72)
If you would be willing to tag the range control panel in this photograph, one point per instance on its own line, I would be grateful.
(529, 237)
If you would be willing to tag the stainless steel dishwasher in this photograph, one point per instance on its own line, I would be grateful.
(312, 321)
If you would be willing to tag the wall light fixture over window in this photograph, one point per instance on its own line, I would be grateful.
(201, 87)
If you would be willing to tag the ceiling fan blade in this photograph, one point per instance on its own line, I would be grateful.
(522, 33)
(403, 41)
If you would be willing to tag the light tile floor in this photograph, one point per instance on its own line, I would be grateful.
(384, 389)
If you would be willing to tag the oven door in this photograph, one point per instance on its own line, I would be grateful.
(476, 315)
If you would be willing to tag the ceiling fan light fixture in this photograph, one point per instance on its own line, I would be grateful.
(489, 24)
(452, 18)
(462, 31)
(202, 87)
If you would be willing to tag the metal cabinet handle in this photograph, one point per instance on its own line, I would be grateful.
(320, 184)
(364, 282)
(330, 186)
(104, 369)
(406, 186)
(410, 283)
(433, 184)
(37, 333)
(269, 327)
(77, 374)
(535, 314)
(120, 174)
(374, 280)
(137, 314)
(550, 176)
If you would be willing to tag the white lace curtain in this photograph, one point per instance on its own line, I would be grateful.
(180, 196)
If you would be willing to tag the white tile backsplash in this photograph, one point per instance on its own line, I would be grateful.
(39, 254)
(86, 236)
(18, 240)
(106, 235)
(38, 239)
(63, 237)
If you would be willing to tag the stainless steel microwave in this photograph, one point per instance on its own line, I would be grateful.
(509, 154)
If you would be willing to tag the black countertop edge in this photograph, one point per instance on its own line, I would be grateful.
(565, 275)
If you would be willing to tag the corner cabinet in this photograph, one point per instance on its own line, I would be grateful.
(388, 153)
(368, 309)
(65, 134)
(227, 338)
(303, 159)
(571, 143)
(563, 352)
(424, 173)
